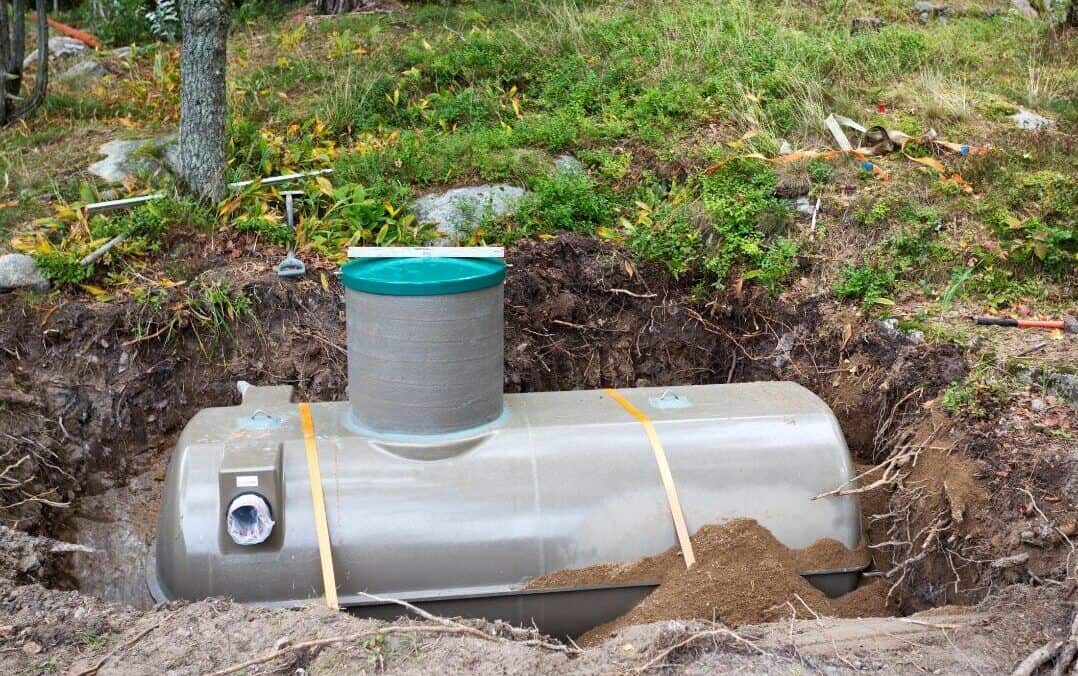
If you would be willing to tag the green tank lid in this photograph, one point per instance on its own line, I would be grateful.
(431, 276)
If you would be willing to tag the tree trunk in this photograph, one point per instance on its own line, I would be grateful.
(203, 107)
(12, 48)
(338, 6)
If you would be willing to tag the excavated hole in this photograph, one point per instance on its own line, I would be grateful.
(580, 315)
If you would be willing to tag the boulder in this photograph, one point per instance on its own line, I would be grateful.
(19, 271)
(568, 164)
(1032, 121)
(59, 47)
(1024, 8)
(126, 158)
(83, 70)
(459, 210)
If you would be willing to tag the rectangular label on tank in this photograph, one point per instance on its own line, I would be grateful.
(246, 481)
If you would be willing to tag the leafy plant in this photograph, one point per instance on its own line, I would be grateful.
(820, 172)
(669, 235)
(164, 19)
(873, 215)
(774, 264)
(736, 197)
(871, 283)
(565, 200)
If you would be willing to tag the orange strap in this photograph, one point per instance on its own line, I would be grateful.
(664, 472)
(318, 502)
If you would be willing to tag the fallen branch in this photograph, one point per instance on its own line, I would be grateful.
(521, 636)
(710, 633)
(634, 295)
(1037, 658)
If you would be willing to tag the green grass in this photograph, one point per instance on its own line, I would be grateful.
(647, 95)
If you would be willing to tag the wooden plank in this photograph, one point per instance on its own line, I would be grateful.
(426, 252)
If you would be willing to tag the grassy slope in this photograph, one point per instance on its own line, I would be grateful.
(647, 95)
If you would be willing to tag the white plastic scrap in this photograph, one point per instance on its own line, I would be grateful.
(249, 521)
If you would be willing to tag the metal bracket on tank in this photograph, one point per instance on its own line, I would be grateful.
(669, 400)
(259, 421)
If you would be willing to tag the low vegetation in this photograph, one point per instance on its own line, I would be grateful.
(668, 107)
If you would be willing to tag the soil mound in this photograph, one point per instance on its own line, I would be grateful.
(742, 575)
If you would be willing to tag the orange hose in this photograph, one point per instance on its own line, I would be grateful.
(90, 40)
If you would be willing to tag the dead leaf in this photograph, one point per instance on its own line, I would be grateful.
(95, 291)
(32, 648)
(930, 162)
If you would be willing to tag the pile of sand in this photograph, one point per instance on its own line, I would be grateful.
(742, 575)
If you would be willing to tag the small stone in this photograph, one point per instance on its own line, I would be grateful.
(122, 52)
(1038, 405)
(19, 271)
(866, 23)
(568, 164)
(801, 204)
(1011, 561)
(1024, 119)
(83, 70)
(888, 328)
(1062, 385)
(915, 336)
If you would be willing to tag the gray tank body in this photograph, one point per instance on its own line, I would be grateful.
(425, 364)
(461, 521)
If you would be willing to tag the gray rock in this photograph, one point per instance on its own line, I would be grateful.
(1024, 8)
(19, 271)
(125, 158)
(1038, 405)
(866, 23)
(802, 205)
(59, 47)
(83, 70)
(1064, 386)
(1024, 119)
(122, 52)
(915, 336)
(459, 210)
(568, 164)
(888, 328)
(928, 10)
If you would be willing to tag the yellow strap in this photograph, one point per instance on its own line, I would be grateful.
(664, 472)
(318, 502)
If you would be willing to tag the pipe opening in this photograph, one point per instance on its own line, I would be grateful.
(249, 519)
